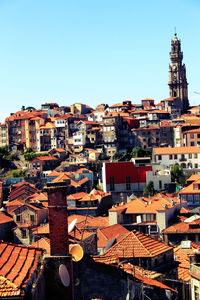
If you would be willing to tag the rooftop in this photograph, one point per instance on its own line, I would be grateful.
(17, 264)
(137, 244)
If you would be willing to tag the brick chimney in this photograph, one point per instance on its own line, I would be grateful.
(58, 221)
(54, 287)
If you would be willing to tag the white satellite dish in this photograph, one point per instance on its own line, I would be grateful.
(71, 225)
(64, 275)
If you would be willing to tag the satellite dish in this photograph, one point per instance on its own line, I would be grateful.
(64, 275)
(110, 243)
(76, 252)
(71, 225)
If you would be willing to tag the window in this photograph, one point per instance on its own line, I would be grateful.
(196, 166)
(170, 156)
(112, 183)
(160, 184)
(175, 156)
(196, 292)
(192, 144)
(196, 198)
(128, 183)
(195, 155)
(156, 262)
(159, 157)
(18, 218)
(198, 136)
(190, 155)
(191, 135)
(32, 218)
(190, 198)
(23, 233)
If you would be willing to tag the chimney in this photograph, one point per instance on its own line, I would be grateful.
(58, 221)
(58, 267)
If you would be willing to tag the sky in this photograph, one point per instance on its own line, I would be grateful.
(93, 51)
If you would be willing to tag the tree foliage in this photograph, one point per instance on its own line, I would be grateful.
(4, 157)
(18, 173)
(137, 152)
(177, 174)
(30, 155)
(149, 190)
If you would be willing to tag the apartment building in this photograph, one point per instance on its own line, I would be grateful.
(187, 157)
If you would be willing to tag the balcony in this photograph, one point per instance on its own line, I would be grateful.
(183, 159)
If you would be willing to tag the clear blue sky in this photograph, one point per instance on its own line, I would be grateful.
(97, 51)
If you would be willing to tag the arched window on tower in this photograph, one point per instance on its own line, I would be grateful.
(174, 93)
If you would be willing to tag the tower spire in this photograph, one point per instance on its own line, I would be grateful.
(177, 74)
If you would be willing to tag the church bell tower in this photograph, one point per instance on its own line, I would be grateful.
(177, 75)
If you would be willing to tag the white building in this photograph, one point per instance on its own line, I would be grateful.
(187, 157)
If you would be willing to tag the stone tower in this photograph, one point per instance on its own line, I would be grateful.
(177, 74)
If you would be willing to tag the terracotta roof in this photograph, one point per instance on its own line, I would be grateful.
(182, 256)
(158, 111)
(183, 227)
(92, 150)
(61, 177)
(22, 190)
(78, 235)
(53, 173)
(17, 202)
(114, 231)
(140, 112)
(184, 210)
(42, 229)
(17, 264)
(82, 170)
(197, 130)
(165, 123)
(83, 180)
(48, 126)
(37, 197)
(43, 158)
(43, 243)
(148, 205)
(5, 218)
(190, 189)
(137, 244)
(117, 105)
(193, 177)
(91, 222)
(139, 273)
(59, 149)
(143, 275)
(176, 150)
(169, 99)
(77, 196)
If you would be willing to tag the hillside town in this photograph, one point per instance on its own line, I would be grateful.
(102, 203)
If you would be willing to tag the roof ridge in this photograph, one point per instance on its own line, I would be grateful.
(141, 242)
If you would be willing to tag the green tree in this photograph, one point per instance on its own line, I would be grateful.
(149, 190)
(140, 152)
(31, 155)
(177, 174)
(4, 157)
